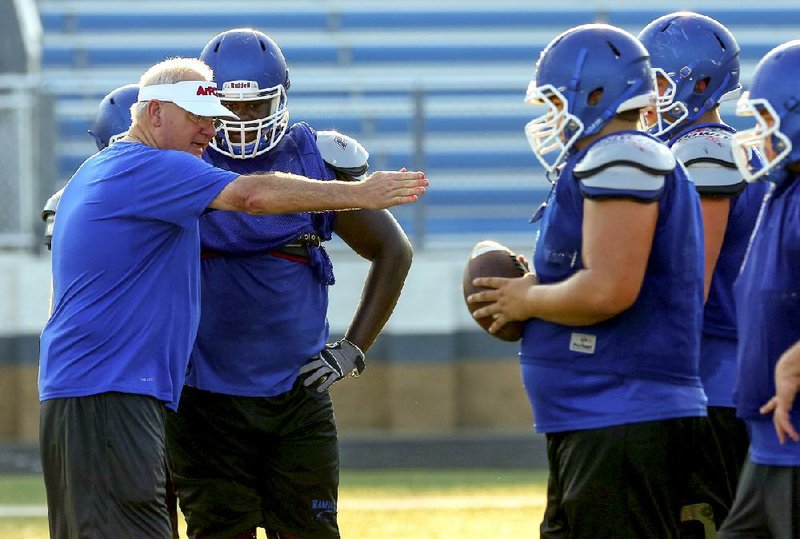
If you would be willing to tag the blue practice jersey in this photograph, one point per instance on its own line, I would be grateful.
(262, 316)
(714, 173)
(641, 365)
(767, 296)
(126, 273)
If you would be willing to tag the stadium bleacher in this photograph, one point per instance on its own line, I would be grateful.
(435, 84)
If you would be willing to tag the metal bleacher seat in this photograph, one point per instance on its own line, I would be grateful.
(368, 69)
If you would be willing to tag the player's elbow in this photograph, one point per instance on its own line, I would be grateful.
(402, 254)
(612, 298)
(393, 250)
(393, 257)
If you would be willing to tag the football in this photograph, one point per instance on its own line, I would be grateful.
(492, 259)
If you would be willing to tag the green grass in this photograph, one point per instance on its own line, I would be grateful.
(21, 490)
(452, 481)
(408, 504)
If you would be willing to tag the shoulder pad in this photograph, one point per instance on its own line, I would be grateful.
(49, 216)
(627, 150)
(628, 163)
(707, 155)
(344, 154)
(51, 205)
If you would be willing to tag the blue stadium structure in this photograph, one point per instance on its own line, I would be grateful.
(435, 85)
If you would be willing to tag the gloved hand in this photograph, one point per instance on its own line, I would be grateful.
(334, 362)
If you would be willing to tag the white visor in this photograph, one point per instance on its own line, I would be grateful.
(197, 97)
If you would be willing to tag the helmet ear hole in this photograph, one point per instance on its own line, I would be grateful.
(594, 97)
(702, 85)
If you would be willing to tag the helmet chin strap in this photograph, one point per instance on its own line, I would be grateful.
(712, 101)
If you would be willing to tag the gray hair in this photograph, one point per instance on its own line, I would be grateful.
(170, 71)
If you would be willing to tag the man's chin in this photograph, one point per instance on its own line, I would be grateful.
(197, 149)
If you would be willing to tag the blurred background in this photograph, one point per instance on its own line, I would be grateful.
(435, 85)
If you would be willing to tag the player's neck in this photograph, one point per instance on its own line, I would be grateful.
(614, 125)
(709, 117)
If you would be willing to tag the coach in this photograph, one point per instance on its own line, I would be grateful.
(125, 310)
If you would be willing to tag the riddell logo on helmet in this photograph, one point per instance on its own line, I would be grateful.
(206, 90)
(241, 84)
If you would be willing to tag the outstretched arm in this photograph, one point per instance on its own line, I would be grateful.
(279, 192)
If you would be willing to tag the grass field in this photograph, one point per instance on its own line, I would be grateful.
(422, 504)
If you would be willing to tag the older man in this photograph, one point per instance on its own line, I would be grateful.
(126, 287)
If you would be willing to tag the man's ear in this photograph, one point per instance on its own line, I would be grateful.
(154, 111)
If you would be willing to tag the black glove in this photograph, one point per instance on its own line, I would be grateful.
(334, 362)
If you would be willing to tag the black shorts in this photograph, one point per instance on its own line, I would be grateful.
(623, 481)
(104, 463)
(243, 462)
(718, 462)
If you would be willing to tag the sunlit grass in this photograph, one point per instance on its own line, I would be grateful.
(21, 490)
(407, 504)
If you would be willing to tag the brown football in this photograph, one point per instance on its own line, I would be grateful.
(492, 259)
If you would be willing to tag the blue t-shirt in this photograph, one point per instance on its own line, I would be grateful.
(641, 365)
(126, 273)
(262, 316)
(767, 295)
(766, 449)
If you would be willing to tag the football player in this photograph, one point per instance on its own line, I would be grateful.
(111, 122)
(696, 63)
(613, 305)
(254, 441)
(767, 297)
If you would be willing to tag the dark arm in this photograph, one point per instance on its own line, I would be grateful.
(377, 237)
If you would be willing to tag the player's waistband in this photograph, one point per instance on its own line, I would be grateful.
(296, 251)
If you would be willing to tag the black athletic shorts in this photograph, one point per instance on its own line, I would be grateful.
(623, 481)
(243, 462)
(104, 463)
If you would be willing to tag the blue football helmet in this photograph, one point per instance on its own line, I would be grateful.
(774, 101)
(697, 59)
(113, 118)
(584, 77)
(249, 67)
